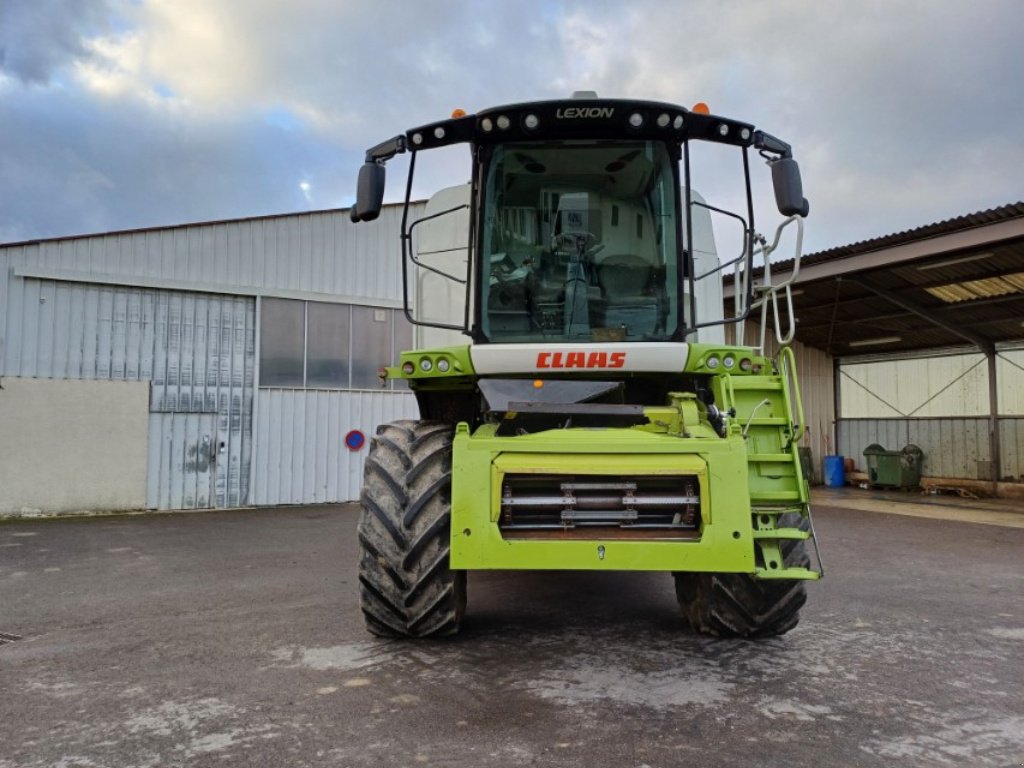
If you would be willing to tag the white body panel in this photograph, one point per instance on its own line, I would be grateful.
(442, 243)
(710, 306)
(667, 357)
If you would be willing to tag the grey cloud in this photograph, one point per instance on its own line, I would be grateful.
(38, 37)
(71, 165)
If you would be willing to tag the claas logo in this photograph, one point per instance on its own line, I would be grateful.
(581, 359)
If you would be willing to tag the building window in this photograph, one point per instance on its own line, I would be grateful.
(282, 343)
(371, 330)
(320, 345)
(327, 345)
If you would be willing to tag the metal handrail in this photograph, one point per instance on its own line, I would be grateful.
(787, 370)
(769, 292)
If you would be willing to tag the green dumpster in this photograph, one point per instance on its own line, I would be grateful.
(894, 469)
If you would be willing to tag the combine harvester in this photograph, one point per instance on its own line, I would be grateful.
(579, 407)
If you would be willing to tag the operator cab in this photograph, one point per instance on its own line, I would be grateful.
(581, 219)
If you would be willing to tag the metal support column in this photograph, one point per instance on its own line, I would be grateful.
(993, 420)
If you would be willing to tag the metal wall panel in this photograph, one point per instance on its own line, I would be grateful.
(204, 362)
(950, 385)
(198, 351)
(321, 254)
(1011, 446)
(1010, 372)
(183, 454)
(953, 447)
(300, 452)
(6, 256)
(60, 330)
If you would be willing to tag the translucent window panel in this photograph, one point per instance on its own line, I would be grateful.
(554, 216)
(327, 363)
(282, 337)
(371, 345)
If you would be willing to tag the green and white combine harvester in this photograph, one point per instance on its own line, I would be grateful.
(592, 416)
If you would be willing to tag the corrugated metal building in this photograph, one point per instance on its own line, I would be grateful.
(202, 352)
(924, 328)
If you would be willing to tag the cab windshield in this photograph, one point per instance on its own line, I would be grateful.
(578, 243)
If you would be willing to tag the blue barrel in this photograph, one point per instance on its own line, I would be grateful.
(835, 473)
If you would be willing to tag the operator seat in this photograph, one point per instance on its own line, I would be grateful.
(628, 298)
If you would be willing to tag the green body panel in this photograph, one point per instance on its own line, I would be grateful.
(748, 479)
(461, 364)
(480, 460)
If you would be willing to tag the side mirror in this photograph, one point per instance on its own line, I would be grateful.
(789, 189)
(369, 192)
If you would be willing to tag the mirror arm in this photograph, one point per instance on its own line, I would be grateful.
(386, 150)
(765, 142)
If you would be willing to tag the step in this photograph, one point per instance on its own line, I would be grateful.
(787, 534)
(770, 457)
(764, 509)
(774, 496)
(739, 382)
(765, 421)
(805, 574)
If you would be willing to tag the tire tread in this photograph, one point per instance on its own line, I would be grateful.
(405, 584)
(739, 605)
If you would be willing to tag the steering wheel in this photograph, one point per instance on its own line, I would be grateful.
(578, 241)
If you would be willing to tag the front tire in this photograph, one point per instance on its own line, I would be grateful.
(739, 605)
(406, 588)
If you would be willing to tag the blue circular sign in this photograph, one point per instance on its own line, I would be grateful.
(355, 440)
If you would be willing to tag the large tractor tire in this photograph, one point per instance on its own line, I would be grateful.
(406, 588)
(737, 604)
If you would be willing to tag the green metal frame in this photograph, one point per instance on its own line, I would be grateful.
(748, 479)
(480, 460)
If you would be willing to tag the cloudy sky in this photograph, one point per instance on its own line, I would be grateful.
(117, 114)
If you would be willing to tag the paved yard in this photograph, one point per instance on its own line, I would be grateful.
(234, 639)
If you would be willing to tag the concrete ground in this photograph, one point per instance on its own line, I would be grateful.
(234, 639)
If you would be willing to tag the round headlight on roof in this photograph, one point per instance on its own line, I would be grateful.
(729, 362)
(712, 362)
(636, 119)
(745, 134)
(503, 122)
(417, 138)
(723, 129)
(426, 364)
(487, 125)
(663, 120)
(439, 132)
(443, 365)
(678, 122)
(531, 121)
